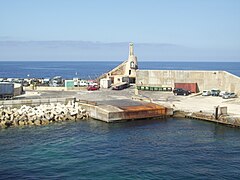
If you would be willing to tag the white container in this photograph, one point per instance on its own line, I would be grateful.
(105, 83)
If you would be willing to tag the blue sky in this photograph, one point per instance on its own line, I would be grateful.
(192, 30)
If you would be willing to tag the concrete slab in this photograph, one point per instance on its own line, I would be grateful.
(119, 103)
(118, 110)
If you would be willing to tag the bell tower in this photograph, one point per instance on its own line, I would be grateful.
(131, 51)
(131, 64)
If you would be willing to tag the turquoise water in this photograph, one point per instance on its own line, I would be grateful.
(146, 149)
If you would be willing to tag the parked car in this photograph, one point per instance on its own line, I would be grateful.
(83, 83)
(93, 88)
(25, 83)
(206, 93)
(229, 95)
(222, 93)
(92, 82)
(180, 91)
(215, 92)
(121, 86)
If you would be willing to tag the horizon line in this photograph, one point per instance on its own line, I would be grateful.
(119, 61)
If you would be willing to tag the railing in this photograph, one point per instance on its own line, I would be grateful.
(87, 102)
(34, 102)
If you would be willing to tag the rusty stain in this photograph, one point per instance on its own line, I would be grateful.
(143, 111)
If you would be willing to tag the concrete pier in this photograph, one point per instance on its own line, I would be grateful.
(222, 119)
(118, 110)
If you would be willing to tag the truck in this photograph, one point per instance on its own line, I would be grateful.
(6, 90)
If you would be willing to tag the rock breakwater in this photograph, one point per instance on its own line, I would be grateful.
(42, 114)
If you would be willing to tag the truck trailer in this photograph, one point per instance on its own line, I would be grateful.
(6, 90)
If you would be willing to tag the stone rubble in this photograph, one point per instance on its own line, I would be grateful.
(42, 114)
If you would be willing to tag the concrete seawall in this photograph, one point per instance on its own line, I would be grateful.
(222, 119)
(206, 80)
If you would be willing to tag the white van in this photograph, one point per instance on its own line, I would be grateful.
(206, 93)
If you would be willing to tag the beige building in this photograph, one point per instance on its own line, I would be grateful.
(125, 71)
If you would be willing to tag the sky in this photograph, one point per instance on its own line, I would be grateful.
(162, 30)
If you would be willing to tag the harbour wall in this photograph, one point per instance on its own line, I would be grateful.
(206, 80)
(221, 119)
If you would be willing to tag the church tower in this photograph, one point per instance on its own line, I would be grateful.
(131, 50)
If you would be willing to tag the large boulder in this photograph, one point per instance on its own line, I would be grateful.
(21, 123)
(37, 122)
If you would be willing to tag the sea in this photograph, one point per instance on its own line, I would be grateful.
(93, 69)
(173, 148)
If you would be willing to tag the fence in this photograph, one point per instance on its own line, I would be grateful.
(34, 102)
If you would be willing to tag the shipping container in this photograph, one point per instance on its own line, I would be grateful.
(69, 83)
(6, 90)
(193, 87)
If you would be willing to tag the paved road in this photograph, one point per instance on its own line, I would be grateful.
(187, 103)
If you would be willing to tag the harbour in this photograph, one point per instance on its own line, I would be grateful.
(140, 83)
(119, 90)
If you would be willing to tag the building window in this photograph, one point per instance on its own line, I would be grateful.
(129, 72)
(132, 65)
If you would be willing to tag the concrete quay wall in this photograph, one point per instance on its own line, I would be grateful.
(222, 119)
(206, 80)
(112, 113)
(94, 111)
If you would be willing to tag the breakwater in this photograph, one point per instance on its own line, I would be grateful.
(42, 114)
(205, 80)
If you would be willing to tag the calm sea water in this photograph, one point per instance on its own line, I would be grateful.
(146, 149)
(91, 70)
